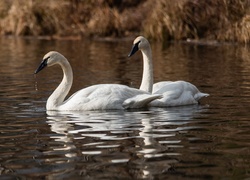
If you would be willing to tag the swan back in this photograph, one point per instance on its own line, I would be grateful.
(108, 96)
(177, 93)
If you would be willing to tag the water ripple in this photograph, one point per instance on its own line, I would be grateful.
(192, 142)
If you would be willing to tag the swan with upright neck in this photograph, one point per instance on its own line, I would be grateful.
(96, 97)
(175, 93)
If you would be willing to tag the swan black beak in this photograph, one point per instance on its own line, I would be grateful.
(42, 65)
(134, 49)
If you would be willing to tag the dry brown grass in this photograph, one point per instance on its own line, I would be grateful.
(116, 18)
(199, 19)
(33, 17)
(222, 20)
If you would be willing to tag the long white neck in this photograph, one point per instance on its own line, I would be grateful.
(57, 97)
(147, 77)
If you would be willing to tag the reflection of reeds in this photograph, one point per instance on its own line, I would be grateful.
(223, 20)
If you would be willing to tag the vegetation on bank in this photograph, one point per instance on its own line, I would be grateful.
(222, 20)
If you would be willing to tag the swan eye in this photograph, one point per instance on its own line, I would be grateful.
(137, 44)
(46, 59)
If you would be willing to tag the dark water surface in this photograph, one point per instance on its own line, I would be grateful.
(206, 141)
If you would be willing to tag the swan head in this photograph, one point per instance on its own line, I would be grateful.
(140, 43)
(50, 59)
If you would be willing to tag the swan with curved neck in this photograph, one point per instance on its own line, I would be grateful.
(175, 93)
(96, 97)
(142, 44)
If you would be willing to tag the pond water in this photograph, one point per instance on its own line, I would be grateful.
(210, 140)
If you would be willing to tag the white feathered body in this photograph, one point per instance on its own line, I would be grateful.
(104, 97)
(176, 93)
(96, 97)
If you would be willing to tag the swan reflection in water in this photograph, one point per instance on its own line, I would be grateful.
(147, 138)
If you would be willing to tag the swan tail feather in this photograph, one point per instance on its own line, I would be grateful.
(140, 101)
(200, 95)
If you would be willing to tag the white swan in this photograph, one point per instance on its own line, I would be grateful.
(96, 97)
(174, 93)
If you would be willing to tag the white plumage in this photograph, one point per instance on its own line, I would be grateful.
(96, 97)
(175, 93)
